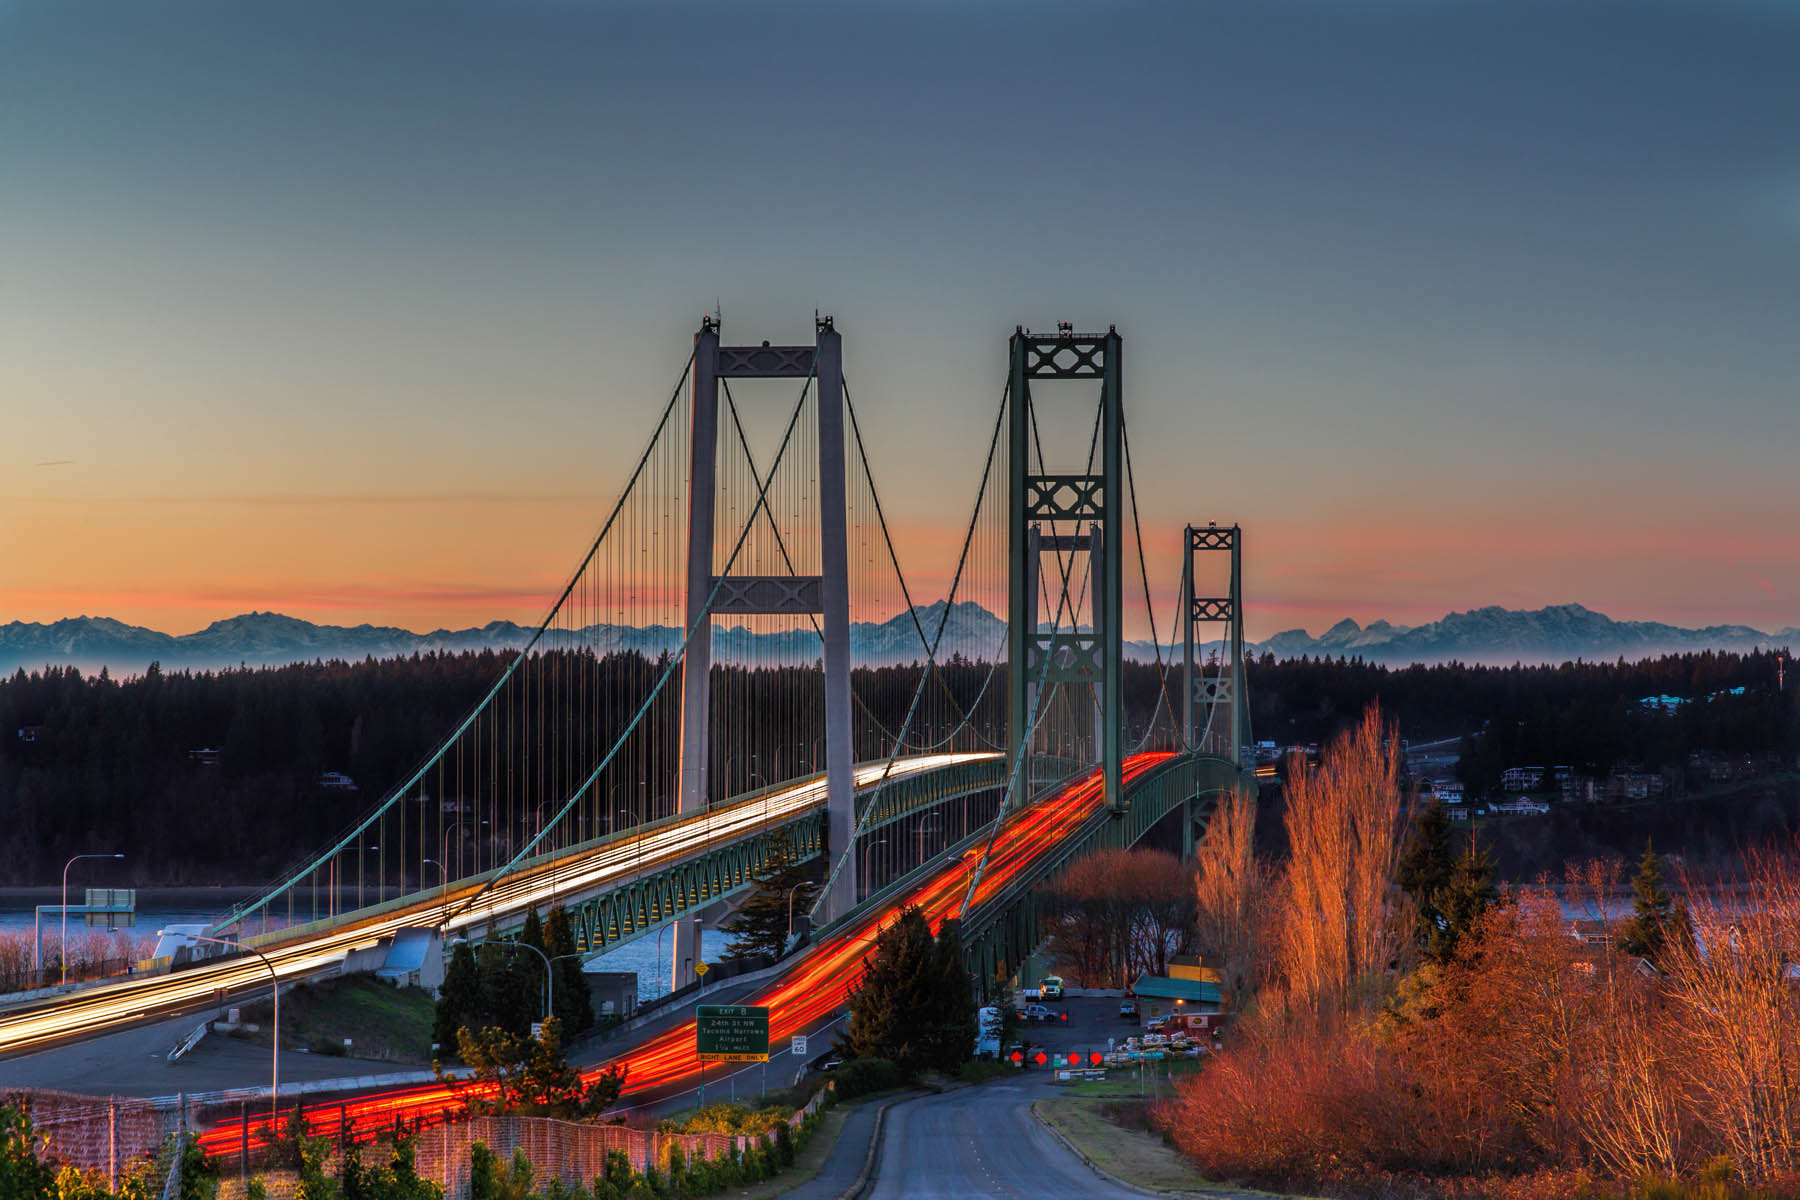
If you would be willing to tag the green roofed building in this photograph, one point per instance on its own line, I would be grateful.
(1200, 993)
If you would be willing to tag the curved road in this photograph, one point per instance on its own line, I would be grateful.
(980, 1141)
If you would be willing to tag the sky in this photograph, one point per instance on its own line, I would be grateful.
(362, 312)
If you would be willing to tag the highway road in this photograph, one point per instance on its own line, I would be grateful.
(304, 952)
(981, 1141)
(806, 995)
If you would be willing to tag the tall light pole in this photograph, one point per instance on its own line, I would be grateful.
(925, 826)
(446, 877)
(790, 900)
(63, 949)
(576, 955)
(274, 1023)
(863, 876)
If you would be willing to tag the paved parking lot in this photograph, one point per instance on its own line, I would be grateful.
(1092, 1020)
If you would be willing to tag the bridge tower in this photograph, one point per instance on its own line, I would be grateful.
(1215, 708)
(1091, 505)
(827, 594)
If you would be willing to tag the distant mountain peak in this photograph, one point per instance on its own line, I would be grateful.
(1489, 634)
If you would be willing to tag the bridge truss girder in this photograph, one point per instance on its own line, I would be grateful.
(602, 922)
(1000, 934)
(667, 891)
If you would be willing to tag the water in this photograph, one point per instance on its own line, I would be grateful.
(149, 920)
(652, 963)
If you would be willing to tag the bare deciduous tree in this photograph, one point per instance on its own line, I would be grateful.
(1230, 893)
(1740, 1014)
(1345, 920)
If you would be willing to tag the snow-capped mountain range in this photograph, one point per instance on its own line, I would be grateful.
(1483, 635)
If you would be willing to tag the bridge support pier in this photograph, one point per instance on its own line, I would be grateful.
(826, 594)
(1215, 708)
(1041, 503)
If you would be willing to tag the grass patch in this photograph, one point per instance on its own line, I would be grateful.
(383, 1022)
(980, 1070)
(1137, 1156)
(1122, 1083)
(807, 1163)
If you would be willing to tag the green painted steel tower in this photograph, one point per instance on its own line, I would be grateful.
(1083, 512)
(1215, 705)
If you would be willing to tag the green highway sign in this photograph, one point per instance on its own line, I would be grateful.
(732, 1033)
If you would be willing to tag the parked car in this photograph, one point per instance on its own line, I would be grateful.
(1036, 1012)
(1128, 1010)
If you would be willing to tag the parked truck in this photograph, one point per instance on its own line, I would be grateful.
(989, 1023)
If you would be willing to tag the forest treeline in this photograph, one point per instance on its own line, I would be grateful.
(91, 761)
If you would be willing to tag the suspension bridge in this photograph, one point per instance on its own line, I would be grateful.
(737, 669)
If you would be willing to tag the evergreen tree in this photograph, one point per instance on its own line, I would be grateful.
(1426, 870)
(1656, 917)
(532, 1076)
(952, 1036)
(533, 974)
(459, 999)
(510, 996)
(1462, 900)
(574, 1007)
(761, 923)
(912, 1006)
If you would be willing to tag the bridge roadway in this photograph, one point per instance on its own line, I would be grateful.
(809, 995)
(306, 950)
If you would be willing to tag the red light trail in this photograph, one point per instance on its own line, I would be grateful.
(818, 986)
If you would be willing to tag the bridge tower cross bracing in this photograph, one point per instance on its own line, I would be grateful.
(1206, 698)
(1038, 501)
(826, 594)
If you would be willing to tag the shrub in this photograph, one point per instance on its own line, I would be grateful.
(860, 1076)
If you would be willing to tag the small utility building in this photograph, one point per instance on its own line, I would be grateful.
(1189, 983)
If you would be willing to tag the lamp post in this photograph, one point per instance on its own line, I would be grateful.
(765, 798)
(446, 878)
(559, 958)
(63, 949)
(790, 906)
(274, 1021)
(925, 826)
(862, 877)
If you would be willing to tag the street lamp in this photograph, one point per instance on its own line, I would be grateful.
(863, 878)
(63, 949)
(924, 827)
(790, 906)
(446, 877)
(274, 1022)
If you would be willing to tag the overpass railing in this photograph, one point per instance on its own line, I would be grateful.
(661, 889)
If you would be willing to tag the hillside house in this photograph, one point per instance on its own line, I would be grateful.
(1522, 779)
(1449, 791)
